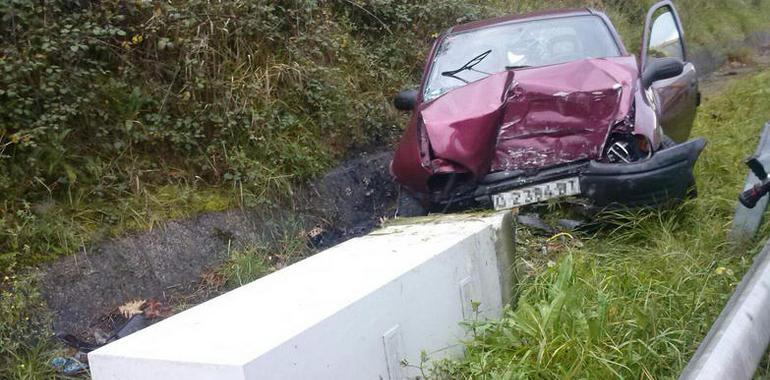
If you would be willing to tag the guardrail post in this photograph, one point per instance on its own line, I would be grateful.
(746, 221)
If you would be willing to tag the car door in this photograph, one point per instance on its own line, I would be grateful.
(676, 98)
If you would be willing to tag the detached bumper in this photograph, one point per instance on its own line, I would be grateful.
(663, 178)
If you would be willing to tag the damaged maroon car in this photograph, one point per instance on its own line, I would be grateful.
(522, 109)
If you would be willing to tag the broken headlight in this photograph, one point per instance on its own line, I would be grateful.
(627, 148)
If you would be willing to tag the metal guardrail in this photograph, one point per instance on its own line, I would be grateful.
(737, 341)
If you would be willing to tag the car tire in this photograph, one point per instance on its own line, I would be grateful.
(407, 206)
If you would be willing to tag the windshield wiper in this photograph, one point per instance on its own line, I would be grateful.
(514, 67)
(467, 66)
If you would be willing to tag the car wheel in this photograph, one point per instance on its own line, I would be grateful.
(408, 206)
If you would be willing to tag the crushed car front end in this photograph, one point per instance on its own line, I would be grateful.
(583, 127)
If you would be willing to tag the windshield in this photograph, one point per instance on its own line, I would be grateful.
(469, 56)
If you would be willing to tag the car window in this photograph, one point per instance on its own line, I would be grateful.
(516, 45)
(665, 40)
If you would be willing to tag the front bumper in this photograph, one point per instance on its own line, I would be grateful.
(663, 178)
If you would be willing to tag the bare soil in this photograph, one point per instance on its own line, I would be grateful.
(173, 264)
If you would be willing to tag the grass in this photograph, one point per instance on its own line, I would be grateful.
(25, 345)
(247, 264)
(635, 300)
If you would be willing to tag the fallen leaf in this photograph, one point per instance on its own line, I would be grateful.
(156, 309)
(131, 308)
(315, 232)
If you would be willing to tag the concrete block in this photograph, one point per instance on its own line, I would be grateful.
(355, 311)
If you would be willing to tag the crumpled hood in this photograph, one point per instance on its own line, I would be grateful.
(532, 118)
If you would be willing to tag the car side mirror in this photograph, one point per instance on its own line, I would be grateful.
(661, 68)
(405, 100)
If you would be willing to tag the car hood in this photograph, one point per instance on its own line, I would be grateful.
(531, 118)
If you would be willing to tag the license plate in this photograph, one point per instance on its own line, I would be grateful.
(537, 193)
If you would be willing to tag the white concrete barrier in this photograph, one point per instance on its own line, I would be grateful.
(356, 311)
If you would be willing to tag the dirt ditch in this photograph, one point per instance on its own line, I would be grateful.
(168, 262)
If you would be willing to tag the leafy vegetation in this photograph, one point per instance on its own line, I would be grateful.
(634, 301)
(116, 115)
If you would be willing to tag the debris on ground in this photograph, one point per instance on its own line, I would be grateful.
(68, 366)
(319, 238)
(570, 224)
(535, 222)
(135, 316)
(134, 324)
(77, 343)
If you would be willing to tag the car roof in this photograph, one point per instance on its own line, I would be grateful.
(539, 15)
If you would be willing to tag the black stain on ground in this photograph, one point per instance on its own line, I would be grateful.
(82, 288)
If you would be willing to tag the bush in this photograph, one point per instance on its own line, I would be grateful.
(98, 95)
